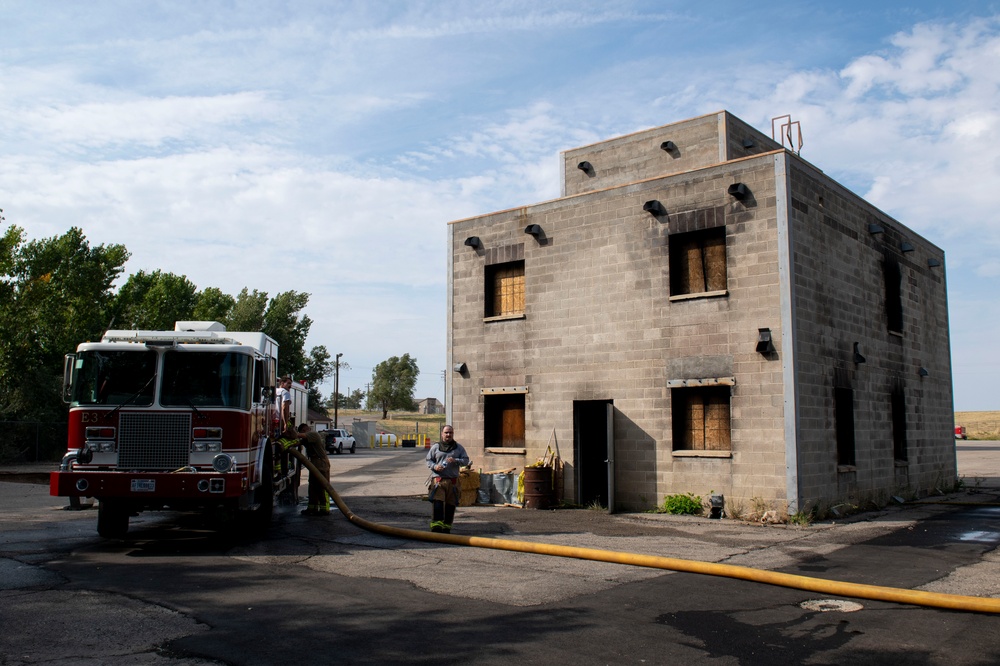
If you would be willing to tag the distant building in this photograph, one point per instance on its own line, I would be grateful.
(430, 406)
(702, 311)
(319, 420)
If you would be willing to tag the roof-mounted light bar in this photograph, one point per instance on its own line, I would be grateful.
(160, 339)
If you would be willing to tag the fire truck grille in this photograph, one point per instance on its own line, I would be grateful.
(154, 441)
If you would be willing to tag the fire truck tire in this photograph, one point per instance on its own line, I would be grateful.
(112, 519)
(263, 497)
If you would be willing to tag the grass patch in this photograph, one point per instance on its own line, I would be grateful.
(803, 518)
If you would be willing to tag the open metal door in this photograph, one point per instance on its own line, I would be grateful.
(593, 443)
(611, 456)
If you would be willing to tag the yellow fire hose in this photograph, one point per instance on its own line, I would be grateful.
(819, 585)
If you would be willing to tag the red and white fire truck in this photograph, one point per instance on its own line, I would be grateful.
(178, 420)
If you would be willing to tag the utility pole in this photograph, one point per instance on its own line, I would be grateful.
(336, 389)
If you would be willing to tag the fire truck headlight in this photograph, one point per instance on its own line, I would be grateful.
(199, 447)
(223, 463)
(215, 447)
(100, 447)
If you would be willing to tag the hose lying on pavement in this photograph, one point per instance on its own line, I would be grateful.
(820, 585)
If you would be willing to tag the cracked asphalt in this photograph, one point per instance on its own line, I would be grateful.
(177, 591)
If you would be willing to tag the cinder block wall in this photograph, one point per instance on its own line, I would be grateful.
(599, 325)
(840, 300)
(700, 142)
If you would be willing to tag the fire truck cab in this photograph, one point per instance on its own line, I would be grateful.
(174, 420)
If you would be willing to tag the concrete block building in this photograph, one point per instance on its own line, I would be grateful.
(704, 311)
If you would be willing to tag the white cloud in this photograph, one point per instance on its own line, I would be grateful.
(144, 122)
(325, 149)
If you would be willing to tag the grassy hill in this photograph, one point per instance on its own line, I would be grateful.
(398, 423)
(979, 425)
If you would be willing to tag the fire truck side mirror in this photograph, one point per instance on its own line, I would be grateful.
(69, 361)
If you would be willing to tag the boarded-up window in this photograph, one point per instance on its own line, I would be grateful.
(698, 261)
(504, 420)
(505, 289)
(701, 418)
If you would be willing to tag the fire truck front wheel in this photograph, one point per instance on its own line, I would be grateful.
(259, 519)
(112, 519)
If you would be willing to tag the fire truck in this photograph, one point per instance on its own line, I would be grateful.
(179, 420)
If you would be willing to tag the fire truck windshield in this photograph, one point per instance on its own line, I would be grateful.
(114, 378)
(206, 379)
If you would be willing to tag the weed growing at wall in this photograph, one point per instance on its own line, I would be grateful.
(680, 504)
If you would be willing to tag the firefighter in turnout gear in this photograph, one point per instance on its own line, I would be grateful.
(286, 441)
(319, 500)
(445, 460)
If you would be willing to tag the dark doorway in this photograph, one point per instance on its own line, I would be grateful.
(593, 448)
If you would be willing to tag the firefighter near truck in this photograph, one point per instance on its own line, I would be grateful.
(180, 420)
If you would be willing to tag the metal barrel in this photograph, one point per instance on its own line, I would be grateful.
(539, 492)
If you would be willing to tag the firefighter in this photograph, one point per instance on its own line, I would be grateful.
(445, 460)
(287, 440)
(319, 500)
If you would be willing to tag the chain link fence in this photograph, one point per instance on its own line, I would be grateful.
(32, 441)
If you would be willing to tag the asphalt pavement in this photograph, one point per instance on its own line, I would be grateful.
(175, 593)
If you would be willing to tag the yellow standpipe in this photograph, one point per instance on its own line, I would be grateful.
(794, 581)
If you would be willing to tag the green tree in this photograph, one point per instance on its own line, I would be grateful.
(283, 323)
(318, 367)
(247, 313)
(54, 294)
(211, 304)
(393, 381)
(280, 318)
(352, 401)
(154, 301)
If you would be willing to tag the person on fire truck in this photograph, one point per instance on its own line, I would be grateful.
(283, 403)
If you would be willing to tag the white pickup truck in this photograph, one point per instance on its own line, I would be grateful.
(338, 439)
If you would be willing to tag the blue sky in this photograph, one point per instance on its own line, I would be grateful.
(324, 146)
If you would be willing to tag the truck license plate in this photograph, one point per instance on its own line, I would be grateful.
(143, 485)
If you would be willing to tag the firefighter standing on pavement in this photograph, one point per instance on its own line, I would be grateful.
(319, 500)
(445, 460)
